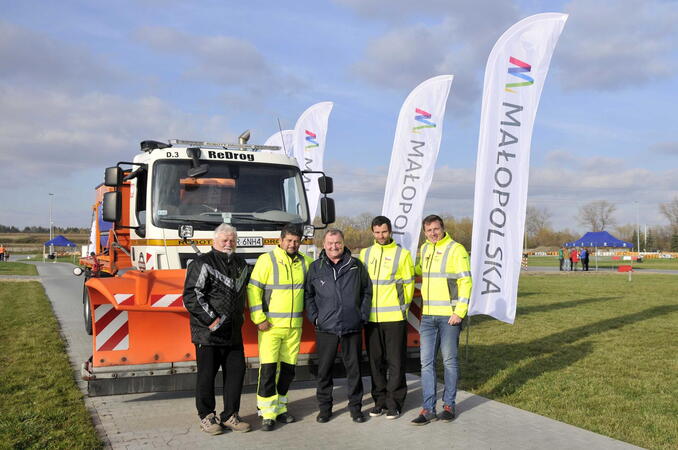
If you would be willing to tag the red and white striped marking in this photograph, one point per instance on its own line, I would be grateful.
(124, 299)
(112, 328)
(149, 261)
(415, 313)
(162, 300)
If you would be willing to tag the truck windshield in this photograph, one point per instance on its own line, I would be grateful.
(248, 196)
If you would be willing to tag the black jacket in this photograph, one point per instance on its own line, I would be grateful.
(338, 297)
(214, 295)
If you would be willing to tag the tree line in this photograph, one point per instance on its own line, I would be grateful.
(599, 216)
(38, 229)
(539, 232)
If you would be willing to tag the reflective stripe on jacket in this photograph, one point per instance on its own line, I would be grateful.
(276, 288)
(392, 273)
(446, 278)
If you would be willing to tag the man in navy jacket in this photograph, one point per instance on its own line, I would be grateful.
(338, 297)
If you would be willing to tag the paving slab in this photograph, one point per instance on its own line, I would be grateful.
(169, 420)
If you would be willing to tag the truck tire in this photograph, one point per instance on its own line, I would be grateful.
(86, 310)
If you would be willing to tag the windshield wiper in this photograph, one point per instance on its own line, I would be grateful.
(188, 220)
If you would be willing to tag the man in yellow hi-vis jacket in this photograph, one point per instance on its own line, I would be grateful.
(445, 292)
(392, 273)
(276, 301)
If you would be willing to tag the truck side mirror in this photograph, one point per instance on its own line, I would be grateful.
(113, 177)
(111, 206)
(327, 214)
(326, 185)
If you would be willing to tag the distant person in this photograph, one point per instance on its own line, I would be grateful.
(574, 259)
(338, 297)
(214, 295)
(2, 252)
(584, 259)
(561, 258)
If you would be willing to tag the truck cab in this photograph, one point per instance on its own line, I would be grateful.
(200, 184)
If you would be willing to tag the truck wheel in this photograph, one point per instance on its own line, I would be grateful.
(86, 310)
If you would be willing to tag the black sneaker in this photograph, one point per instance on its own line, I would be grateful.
(285, 418)
(323, 416)
(267, 424)
(376, 411)
(392, 414)
(448, 414)
(358, 417)
(425, 417)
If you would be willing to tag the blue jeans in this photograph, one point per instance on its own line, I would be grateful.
(436, 334)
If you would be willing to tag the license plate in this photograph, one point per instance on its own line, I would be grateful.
(250, 242)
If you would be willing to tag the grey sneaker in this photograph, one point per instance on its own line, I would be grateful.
(235, 423)
(210, 425)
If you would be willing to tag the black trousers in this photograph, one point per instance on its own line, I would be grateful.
(209, 358)
(387, 354)
(351, 350)
(585, 264)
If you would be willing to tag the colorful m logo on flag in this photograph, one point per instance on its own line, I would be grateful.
(519, 72)
(310, 138)
(422, 116)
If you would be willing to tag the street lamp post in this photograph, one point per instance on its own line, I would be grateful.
(50, 215)
(637, 228)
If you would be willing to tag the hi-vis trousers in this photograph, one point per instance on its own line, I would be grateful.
(278, 350)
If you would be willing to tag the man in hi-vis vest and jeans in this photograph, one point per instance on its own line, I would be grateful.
(276, 300)
(392, 272)
(445, 292)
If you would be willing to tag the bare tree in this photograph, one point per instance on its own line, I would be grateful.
(597, 215)
(536, 220)
(670, 210)
(625, 232)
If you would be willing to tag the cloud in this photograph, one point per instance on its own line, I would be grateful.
(562, 185)
(616, 44)
(31, 58)
(665, 148)
(43, 132)
(452, 38)
(223, 60)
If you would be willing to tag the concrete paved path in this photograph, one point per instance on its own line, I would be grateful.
(169, 419)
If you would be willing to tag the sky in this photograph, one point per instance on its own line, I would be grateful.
(83, 82)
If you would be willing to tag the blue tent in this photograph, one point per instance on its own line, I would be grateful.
(60, 241)
(599, 239)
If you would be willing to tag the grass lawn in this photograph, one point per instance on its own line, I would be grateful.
(598, 352)
(41, 404)
(606, 262)
(17, 268)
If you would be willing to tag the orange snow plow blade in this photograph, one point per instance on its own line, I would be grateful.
(139, 318)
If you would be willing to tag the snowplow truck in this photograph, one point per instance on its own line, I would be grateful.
(151, 217)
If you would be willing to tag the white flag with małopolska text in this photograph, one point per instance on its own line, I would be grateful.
(283, 139)
(514, 78)
(415, 150)
(310, 133)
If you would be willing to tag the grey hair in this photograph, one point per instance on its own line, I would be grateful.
(333, 231)
(225, 228)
